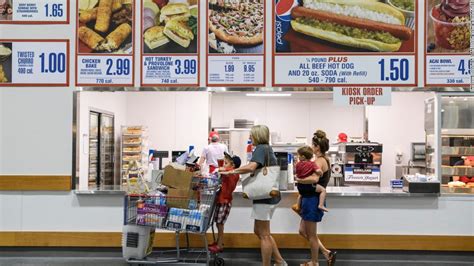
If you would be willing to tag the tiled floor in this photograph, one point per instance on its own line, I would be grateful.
(110, 257)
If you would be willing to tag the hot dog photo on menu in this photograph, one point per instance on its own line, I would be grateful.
(170, 26)
(449, 26)
(105, 26)
(236, 26)
(345, 26)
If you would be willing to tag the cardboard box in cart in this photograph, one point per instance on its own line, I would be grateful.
(179, 187)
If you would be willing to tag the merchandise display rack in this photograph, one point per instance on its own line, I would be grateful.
(134, 149)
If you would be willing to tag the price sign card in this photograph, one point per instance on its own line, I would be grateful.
(105, 46)
(236, 43)
(323, 43)
(448, 34)
(170, 43)
(34, 63)
(372, 96)
(34, 12)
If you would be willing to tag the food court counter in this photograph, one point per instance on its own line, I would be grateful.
(360, 191)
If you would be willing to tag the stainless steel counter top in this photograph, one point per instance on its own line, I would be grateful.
(99, 192)
(362, 191)
(354, 191)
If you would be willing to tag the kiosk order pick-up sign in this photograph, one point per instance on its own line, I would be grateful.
(354, 96)
(350, 43)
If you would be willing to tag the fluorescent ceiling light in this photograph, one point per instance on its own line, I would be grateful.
(268, 94)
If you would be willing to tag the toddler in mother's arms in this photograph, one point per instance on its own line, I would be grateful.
(305, 168)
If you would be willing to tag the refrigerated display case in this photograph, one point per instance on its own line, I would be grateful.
(101, 150)
(449, 130)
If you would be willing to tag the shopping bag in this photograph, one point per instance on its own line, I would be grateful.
(259, 184)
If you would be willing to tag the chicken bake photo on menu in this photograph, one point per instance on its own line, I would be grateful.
(170, 26)
(449, 26)
(345, 26)
(105, 26)
(236, 26)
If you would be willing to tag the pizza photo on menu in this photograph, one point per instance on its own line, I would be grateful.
(170, 26)
(385, 26)
(105, 26)
(236, 26)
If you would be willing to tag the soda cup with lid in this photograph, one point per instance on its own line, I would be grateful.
(282, 22)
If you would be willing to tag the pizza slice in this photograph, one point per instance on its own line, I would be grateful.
(239, 26)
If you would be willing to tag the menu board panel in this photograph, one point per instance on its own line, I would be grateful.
(236, 43)
(34, 12)
(448, 34)
(349, 43)
(170, 43)
(105, 43)
(34, 63)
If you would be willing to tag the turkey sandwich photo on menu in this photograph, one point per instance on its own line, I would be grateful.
(352, 26)
(170, 26)
(105, 26)
(5, 62)
(236, 26)
(449, 26)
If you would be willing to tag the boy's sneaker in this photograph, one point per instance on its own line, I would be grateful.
(215, 249)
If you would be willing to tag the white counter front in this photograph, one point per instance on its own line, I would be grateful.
(66, 211)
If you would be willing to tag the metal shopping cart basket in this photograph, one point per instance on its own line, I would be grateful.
(192, 214)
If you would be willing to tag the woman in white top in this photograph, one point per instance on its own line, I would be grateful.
(213, 152)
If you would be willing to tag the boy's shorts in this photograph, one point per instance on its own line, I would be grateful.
(222, 212)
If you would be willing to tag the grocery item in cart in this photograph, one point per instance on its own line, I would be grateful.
(176, 178)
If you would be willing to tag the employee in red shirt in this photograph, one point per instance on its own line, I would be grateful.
(224, 199)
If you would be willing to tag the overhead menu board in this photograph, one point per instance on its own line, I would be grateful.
(236, 43)
(105, 43)
(34, 12)
(34, 63)
(170, 43)
(346, 42)
(448, 34)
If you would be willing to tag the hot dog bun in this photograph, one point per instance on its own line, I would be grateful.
(362, 24)
(372, 5)
(338, 38)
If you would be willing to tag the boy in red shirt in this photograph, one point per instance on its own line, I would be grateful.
(224, 199)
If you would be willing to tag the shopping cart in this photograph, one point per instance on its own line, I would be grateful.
(191, 214)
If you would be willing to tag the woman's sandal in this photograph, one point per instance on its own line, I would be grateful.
(332, 258)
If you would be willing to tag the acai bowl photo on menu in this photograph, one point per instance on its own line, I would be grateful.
(449, 26)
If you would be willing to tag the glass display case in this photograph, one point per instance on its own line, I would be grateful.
(101, 150)
(449, 126)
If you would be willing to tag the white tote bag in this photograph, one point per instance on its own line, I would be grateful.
(259, 184)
